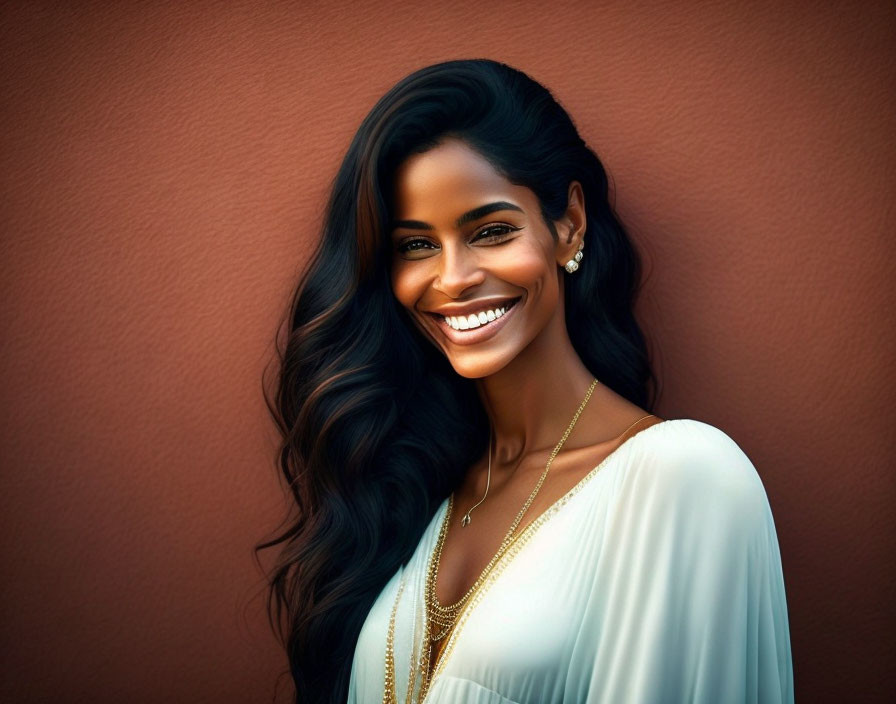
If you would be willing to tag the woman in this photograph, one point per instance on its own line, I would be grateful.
(487, 510)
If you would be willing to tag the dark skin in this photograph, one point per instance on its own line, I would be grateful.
(529, 376)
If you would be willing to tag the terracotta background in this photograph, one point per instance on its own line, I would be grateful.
(164, 168)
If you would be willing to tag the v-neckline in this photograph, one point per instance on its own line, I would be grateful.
(514, 547)
(555, 506)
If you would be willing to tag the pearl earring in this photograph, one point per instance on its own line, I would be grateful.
(573, 264)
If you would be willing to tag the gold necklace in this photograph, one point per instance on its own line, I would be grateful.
(444, 617)
(465, 521)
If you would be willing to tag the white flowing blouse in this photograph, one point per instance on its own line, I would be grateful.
(656, 578)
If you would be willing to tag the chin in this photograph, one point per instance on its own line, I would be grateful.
(474, 366)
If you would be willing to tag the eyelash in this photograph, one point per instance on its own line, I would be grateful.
(405, 246)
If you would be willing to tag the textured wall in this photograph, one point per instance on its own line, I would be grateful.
(164, 167)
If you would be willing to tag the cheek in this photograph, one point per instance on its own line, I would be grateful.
(406, 287)
(530, 267)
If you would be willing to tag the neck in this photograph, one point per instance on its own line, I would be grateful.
(531, 401)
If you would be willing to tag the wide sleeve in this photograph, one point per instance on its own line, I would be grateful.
(724, 573)
(696, 609)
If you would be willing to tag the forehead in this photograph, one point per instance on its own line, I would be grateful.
(451, 178)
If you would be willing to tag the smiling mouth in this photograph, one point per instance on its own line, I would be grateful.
(476, 323)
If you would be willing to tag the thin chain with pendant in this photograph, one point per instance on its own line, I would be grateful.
(465, 521)
(442, 618)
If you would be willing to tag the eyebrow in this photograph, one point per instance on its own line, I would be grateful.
(469, 216)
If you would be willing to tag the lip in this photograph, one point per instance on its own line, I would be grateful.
(473, 306)
(475, 335)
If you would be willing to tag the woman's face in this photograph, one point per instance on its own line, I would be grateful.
(467, 242)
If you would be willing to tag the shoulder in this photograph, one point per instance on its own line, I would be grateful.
(696, 466)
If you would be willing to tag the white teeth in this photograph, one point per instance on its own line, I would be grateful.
(474, 320)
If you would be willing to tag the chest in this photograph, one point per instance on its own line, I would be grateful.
(523, 619)
(469, 551)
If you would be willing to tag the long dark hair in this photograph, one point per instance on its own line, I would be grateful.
(368, 410)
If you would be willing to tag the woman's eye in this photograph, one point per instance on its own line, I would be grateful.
(494, 232)
(407, 245)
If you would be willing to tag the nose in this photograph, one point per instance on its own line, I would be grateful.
(457, 270)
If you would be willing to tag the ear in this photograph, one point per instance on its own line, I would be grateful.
(571, 227)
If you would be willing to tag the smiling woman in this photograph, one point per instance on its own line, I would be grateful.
(463, 340)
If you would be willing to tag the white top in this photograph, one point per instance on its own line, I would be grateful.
(656, 578)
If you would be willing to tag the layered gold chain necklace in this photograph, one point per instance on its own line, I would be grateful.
(440, 620)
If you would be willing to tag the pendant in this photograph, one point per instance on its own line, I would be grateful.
(465, 520)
